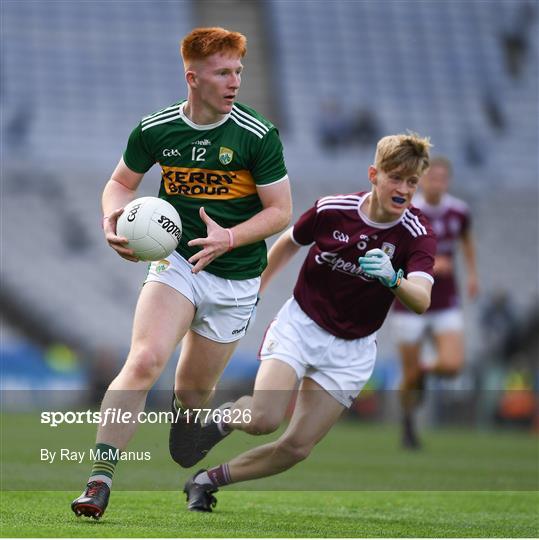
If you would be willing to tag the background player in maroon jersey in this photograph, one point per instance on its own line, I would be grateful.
(450, 220)
(366, 249)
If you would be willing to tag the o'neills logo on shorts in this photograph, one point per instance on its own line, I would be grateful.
(339, 264)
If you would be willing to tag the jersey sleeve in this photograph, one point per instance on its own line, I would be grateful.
(420, 261)
(137, 155)
(303, 230)
(466, 222)
(269, 166)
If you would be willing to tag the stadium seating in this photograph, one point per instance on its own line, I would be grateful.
(424, 66)
(75, 82)
(80, 76)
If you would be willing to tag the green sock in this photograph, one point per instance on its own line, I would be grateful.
(179, 405)
(106, 457)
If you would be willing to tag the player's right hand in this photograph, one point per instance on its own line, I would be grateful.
(377, 263)
(117, 243)
(212, 246)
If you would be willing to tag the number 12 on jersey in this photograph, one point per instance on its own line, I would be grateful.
(198, 153)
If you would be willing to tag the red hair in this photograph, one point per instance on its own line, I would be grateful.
(203, 42)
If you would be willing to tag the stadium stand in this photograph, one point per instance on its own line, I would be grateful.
(81, 75)
(74, 84)
(424, 66)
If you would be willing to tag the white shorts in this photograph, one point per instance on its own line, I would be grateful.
(223, 306)
(411, 328)
(339, 366)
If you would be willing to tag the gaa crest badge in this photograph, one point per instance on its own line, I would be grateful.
(225, 155)
(388, 249)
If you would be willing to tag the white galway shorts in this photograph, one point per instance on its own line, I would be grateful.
(411, 328)
(339, 366)
(223, 306)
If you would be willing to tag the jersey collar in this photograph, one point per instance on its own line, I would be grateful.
(371, 223)
(200, 127)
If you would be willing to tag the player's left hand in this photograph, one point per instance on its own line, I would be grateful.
(376, 263)
(215, 244)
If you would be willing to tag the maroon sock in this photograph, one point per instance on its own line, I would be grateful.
(220, 475)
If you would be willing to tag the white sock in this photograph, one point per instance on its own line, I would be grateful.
(101, 478)
(202, 478)
(223, 427)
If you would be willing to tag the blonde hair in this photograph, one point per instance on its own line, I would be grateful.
(408, 153)
(203, 42)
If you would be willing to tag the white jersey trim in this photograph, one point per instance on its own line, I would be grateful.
(413, 224)
(160, 120)
(418, 273)
(248, 122)
(336, 207)
(150, 117)
(285, 177)
(245, 126)
(410, 230)
(337, 202)
(341, 198)
(369, 221)
(200, 127)
(250, 119)
(163, 116)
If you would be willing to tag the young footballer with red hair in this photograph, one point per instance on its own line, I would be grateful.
(222, 167)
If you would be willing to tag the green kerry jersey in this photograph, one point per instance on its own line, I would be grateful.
(217, 166)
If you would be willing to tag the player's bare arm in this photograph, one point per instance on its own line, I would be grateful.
(414, 293)
(273, 218)
(119, 190)
(468, 249)
(278, 257)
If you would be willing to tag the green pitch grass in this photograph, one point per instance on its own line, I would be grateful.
(356, 483)
(280, 514)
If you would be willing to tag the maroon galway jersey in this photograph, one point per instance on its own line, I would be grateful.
(449, 220)
(331, 288)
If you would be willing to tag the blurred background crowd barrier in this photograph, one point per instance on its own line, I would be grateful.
(76, 77)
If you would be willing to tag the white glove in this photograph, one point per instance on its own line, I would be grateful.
(376, 263)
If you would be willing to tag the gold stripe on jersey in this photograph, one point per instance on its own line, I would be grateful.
(208, 183)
